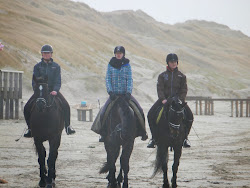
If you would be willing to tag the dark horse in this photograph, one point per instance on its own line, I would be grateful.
(121, 131)
(47, 123)
(171, 133)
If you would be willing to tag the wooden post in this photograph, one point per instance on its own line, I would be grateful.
(16, 97)
(200, 107)
(11, 95)
(196, 107)
(79, 117)
(209, 107)
(83, 115)
(237, 108)
(91, 115)
(20, 88)
(206, 106)
(5, 84)
(232, 108)
(1, 95)
(241, 108)
(16, 108)
(247, 108)
(212, 107)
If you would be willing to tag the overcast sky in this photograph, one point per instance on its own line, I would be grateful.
(233, 13)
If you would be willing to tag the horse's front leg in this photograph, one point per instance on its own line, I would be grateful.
(177, 155)
(127, 149)
(112, 154)
(41, 160)
(54, 144)
(164, 158)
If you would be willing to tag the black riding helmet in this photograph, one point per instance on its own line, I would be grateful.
(172, 57)
(119, 49)
(47, 48)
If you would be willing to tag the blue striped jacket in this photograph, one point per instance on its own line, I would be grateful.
(119, 81)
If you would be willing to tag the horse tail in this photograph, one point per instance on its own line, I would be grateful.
(158, 162)
(104, 169)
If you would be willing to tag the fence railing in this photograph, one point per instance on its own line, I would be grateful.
(10, 93)
(208, 103)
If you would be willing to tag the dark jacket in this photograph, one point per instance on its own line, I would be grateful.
(172, 83)
(52, 70)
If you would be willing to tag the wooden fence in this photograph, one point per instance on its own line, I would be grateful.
(10, 93)
(208, 103)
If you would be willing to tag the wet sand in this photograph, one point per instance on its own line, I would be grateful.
(219, 157)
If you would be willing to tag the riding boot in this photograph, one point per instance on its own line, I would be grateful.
(151, 143)
(186, 143)
(152, 126)
(69, 130)
(101, 139)
(26, 111)
(28, 134)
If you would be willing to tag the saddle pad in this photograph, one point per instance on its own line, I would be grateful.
(159, 115)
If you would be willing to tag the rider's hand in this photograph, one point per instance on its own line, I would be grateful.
(169, 101)
(53, 93)
(164, 101)
(112, 95)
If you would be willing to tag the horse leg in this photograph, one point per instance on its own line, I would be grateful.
(162, 155)
(120, 177)
(177, 155)
(54, 144)
(127, 149)
(41, 160)
(112, 155)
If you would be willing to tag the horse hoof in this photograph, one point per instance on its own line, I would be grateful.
(49, 186)
(42, 183)
(165, 186)
(110, 185)
(125, 186)
(53, 182)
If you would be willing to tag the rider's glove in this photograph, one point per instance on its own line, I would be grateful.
(112, 95)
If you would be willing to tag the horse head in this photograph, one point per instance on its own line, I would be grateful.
(123, 112)
(175, 116)
(41, 91)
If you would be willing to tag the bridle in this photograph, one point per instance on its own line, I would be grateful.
(41, 101)
(174, 127)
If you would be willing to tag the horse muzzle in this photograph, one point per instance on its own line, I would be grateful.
(40, 104)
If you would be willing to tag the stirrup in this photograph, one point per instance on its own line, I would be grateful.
(28, 134)
(186, 143)
(151, 144)
(69, 130)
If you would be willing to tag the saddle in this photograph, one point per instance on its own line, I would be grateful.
(102, 117)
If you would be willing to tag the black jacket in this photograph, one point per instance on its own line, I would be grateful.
(52, 70)
(171, 83)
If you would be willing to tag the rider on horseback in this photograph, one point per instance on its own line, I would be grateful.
(48, 68)
(119, 82)
(170, 83)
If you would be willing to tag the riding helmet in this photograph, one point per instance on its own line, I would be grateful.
(172, 57)
(47, 48)
(119, 49)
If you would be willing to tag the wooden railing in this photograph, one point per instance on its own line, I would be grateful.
(10, 93)
(209, 105)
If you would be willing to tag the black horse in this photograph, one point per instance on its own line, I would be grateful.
(121, 131)
(47, 123)
(171, 133)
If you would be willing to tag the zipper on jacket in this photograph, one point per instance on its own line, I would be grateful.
(172, 84)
